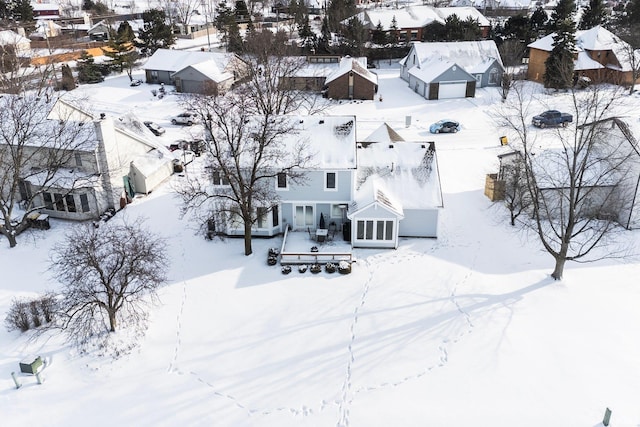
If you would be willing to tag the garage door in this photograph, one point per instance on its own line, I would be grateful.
(452, 90)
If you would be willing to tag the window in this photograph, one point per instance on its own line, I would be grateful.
(48, 201)
(261, 217)
(71, 203)
(84, 202)
(59, 202)
(336, 211)
(383, 230)
(282, 180)
(493, 77)
(25, 190)
(218, 179)
(330, 181)
(274, 216)
(78, 157)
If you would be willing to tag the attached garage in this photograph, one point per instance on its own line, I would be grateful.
(448, 90)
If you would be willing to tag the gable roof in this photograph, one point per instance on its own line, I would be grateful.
(348, 64)
(464, 13)
(405, 172)
(468, 55)
(416, 16)
(596, 38)
(175, 60)
(385, 134)
(210, 69)
(431, 70)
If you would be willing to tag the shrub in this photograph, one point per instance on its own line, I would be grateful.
(18, 316)
(315, 268)
(344, 267)
(330, 267)
(286, 269)
(302, 268)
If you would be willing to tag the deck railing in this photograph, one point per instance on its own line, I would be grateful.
(311, 257)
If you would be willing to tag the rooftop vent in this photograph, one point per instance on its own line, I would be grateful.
(321, 122)
(102, 116)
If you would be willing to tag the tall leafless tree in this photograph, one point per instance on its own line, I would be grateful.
(109, 275)
(575, 184)
(37, 155)
(630, 52)
(246, 153)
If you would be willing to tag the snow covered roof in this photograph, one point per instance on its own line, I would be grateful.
(506, 4)
(408, 17)
(348, 64)
(464, 13)
(584, 62)
(593, 39)
(210, 69)
(384, 134)
(431, 69)
(466, 54)
(405, 172)
(39, 6)
(322, 69)
(174, 60)
(8, 37)
(374, 191)
(147, 164)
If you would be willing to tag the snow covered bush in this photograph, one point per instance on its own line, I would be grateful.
(286, 269)
(330, 267)
(302, 268)
(344, 267)
(315, 268)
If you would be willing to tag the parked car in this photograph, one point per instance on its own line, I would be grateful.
(135, 82)
(187, 118)
(155, 128)
(551, 118)
(445, 126)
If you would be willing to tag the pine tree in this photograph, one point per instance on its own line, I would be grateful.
(88, 70)
(393, 30)
(378, 36)
(594, 14)
(559, 65)
(234, 39)
(156, 33)
(307, 35)
(538, 20)
(325, 37)
(564, 11)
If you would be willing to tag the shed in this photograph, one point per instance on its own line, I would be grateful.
(351, 80)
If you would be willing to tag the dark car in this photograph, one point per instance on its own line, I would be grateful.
(135, 82)
(197, 146)
(445, 126)
(155, 128)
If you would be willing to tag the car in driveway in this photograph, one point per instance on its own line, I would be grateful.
(445, 126)
(155, 128)
(135, 82)
(186, 118)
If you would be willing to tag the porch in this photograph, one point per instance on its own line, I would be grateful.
(304, 247)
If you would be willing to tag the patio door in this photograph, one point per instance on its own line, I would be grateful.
(303, 216)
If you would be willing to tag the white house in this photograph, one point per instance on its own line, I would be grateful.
(9, 39)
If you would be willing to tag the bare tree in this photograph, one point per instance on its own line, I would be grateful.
(109, 275)
(576, 184)
(246, 153)
(185, 10)
(37, 155)
(516, 196)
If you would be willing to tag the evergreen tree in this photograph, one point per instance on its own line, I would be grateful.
(594, 14)
(125, 32)
(156, 33)
(339, 10)
(88, 70)
(559, 65)
(234, 39)
(67, 82)
(517, 27)
(538, 21)
(633, 12)
(309, 39)
(241, 11)
(393, 30)
(378, 36)
(121, 50)
(355, 35)
(454, 29)
(21, 10)
(325, 37)
(564, 11)
(471, 30)
(434, 32)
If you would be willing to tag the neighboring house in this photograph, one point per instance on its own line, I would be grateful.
(312, 71)
(617, 183)
(100, 31)
(398, 192)
(351, 80)
(14, 41)
(45, 10)
(195, 71)
(442, 70)
(410, 21)
(121, 161)
(600, 55)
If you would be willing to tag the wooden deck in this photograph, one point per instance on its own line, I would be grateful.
(299, 247)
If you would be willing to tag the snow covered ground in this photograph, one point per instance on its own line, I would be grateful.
(465, 330)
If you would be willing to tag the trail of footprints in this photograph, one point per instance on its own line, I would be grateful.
(347, 395)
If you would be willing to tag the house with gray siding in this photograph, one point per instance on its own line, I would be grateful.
(196, 72)
(442, 70)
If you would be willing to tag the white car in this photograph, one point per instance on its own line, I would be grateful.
(187, 118)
